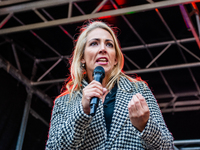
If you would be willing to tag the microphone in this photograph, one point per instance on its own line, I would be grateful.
(98, 74)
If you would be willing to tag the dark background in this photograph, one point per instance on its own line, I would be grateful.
(183, 121)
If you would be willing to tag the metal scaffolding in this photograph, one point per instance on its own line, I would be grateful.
(9, 10)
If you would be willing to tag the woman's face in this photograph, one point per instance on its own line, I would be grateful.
(99, 51)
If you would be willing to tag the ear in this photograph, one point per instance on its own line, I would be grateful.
(115, 61)
(83, 61)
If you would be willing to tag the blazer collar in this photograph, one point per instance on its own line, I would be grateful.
(125, 84)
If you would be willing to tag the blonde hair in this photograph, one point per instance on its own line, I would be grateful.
(78, 73)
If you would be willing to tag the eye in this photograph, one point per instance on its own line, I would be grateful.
(109, 44)
(93, 44)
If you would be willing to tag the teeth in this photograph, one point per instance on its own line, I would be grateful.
(102, 59)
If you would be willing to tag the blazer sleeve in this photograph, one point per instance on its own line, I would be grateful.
(68, 123)
(156, 135)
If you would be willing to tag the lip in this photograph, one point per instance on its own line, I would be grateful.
(102, 58)
(102, 63)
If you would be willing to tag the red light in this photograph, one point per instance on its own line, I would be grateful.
(104, 17)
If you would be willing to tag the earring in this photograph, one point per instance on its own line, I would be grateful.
(83, 65)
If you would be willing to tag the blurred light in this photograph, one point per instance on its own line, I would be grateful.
(131, 12)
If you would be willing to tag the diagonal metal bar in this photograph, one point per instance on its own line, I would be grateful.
(178, 44)
(82, 12)
(189, 22)
(37, 116)
(131, 61)
(34, 70)
(127, 66)
(98, 8)
(5, 20)
(190, 71)
(23, 50)
(195, 8)
(24, 80)
(166, 83)
(173, 36)
(45, 43)
(169, 103)
(158, 56)
(198, 24)
(53, 66)
(129, 24)
(142, 41)
(118, 12)
(65, 31)
(16, 57)
(188, 51)
(49, 87)
(40, 15)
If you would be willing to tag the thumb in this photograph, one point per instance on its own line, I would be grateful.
(104, 90)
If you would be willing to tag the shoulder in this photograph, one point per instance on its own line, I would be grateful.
(136, 84)
(61, 99)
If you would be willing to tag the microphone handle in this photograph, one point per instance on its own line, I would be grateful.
(93, 105)
(95, 100)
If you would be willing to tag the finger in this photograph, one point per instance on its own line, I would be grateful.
(89, 93)
(131, 107)
(96, 87)
(142, 101)
(93, 82)
(137, 103)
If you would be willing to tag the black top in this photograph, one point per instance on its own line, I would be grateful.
(109, 104)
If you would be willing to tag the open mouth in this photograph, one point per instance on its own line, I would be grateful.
(102, 60)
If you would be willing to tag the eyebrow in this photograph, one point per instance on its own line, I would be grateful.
(97, 39)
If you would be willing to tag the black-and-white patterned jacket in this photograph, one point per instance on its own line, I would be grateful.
(72, 129)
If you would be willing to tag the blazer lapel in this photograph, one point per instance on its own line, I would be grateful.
(120, 115)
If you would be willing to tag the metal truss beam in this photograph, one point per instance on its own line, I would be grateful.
(182, 142)
(24, 80)
(187, 143)
(147, 70)
(171, 67)
(130, 48)
(11, 2)
(181, 109)
(122, 11)
(190, 24)
(35, 5)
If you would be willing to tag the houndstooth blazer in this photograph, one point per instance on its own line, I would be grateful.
(72, 129)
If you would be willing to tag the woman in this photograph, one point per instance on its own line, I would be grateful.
(127, 116)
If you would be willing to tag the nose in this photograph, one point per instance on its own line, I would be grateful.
(102, 49)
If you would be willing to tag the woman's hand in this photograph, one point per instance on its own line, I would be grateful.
(94, 89)
(138, 111)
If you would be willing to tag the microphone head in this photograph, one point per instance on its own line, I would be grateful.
(99, 70)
